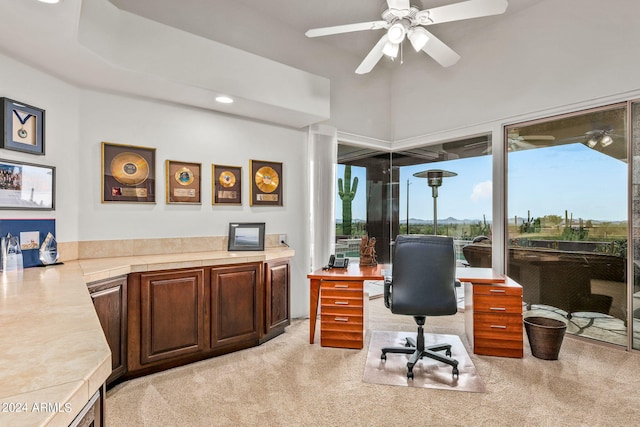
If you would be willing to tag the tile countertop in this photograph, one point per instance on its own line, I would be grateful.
(53, 354)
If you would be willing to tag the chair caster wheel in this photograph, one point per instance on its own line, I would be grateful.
(448, 353)
(383, 357)
(410, 375)
(455, 373)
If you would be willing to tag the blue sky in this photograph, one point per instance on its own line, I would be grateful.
(545, 181)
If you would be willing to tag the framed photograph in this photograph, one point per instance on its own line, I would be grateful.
(266, 183)
(128, 173)
(183, 182)
(226, 185)
(27, 186)
(246, 236)
(22, 127)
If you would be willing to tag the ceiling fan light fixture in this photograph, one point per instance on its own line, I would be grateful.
(606, 140)
(391, 49)
(418, 38)
(396, 33)
(592, 142)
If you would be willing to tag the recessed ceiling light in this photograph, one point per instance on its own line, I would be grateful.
(224, 99)
(49, 1)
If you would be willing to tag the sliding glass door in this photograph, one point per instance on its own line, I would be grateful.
(567, 216)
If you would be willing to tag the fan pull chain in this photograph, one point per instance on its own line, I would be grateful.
(402, 53)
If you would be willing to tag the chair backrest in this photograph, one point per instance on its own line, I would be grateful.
(423, 276)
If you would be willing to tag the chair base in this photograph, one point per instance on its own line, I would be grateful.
(417, 350)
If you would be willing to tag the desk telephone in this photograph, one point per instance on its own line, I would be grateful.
(336, 263)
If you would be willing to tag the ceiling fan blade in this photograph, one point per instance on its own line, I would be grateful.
(538, 138)
(348, 28)
(459, 11)
(373, 57)
(439, 51)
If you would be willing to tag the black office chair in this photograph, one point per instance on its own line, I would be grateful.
(422, 284)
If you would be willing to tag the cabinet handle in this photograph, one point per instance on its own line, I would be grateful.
(497, 308)
(341, 319)
(498, 327)
(498, 291)
(340, 286)
(342, 302)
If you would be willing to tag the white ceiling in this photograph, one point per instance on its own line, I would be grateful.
(275, 28)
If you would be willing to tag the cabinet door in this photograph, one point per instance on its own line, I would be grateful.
(236, 301)
(110, 301)
(276, 297)
(172, 314)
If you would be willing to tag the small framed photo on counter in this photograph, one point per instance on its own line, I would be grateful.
(246, 236)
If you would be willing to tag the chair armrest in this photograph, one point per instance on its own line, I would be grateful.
(387, 292)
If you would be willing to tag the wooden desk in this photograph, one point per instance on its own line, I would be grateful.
(483, 287)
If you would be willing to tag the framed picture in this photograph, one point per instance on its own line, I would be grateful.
(27, 186)
(128, 173)
(22, 127)
(226, 185)
(183, 182)
(266, 183)
(246, 236)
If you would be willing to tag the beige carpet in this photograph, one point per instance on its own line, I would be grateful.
(428, 373)
(288, 382)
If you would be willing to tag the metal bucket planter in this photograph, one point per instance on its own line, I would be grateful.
(545, 336)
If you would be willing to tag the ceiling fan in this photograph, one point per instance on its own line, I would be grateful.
(516, 141)
(404, 21)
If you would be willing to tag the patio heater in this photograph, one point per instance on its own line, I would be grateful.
(434, 180)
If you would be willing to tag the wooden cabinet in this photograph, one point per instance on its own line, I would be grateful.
(341, 314)
(493, 313)
(181, 316)
(166, 316)
(277, 301)
(110, 301)
(236, 304)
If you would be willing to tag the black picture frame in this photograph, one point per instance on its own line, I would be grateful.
(27, 186)
(22, 127)
(246, 236)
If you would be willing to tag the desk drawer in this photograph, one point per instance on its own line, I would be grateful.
(500, 348)
(341, 311)
(340, 285)
(343, 339)
(332, 322)
(497, 290)
(505, 304)
(355, 294)
(497, 327)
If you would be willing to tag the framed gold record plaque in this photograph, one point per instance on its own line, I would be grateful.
(226, 185)
(266, 183)
(183, 182)
(128, 173)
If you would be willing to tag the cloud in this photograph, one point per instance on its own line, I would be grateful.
(482, 191)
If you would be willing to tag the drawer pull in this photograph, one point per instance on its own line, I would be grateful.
(497, 308)
(342, 303)
(341, 319)
(337, 285)
(498, 327)
(497, 291)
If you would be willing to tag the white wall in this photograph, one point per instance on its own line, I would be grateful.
(60, 102)
(78, 120)
(552, 54)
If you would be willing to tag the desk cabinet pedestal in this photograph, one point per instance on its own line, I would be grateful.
(493, 318)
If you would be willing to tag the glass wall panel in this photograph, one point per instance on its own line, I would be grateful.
(567, 219)
(635, 212)
(380, 195)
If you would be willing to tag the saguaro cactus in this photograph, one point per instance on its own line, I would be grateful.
(347, 194)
